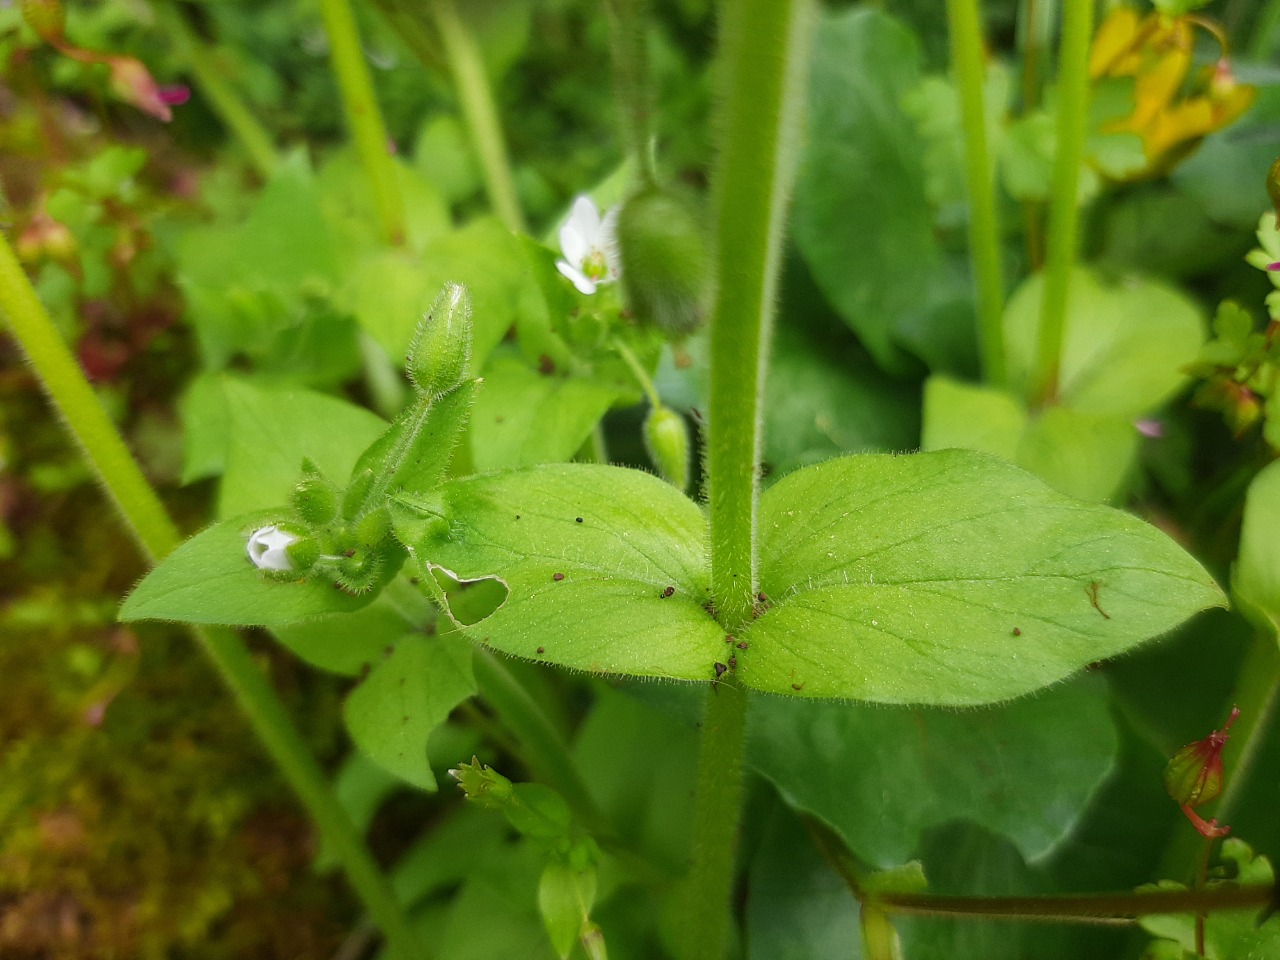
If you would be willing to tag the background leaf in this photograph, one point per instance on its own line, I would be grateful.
(270, 430)
(392, 712)
(883, 776)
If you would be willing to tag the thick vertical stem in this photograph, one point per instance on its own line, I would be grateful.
(363, 115)
(984, 227)
(155, 534)
(480, 112)
(1064, 210)
(222, 96)
(764, 49)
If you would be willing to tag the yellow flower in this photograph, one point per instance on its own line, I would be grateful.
(1156, 51)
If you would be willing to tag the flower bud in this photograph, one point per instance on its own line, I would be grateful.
(666, 437)
(664, 260)
(438, 356)
(46, 18)
(361, 571)
(315, 497)
(374, 527)
(483, 785)
(132, 82)
(1194, 775)
(268, 548)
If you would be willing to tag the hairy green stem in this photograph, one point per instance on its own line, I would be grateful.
(967, 56)
(1064, 210)
(363, 116)
(717, 813)
(156, 535)
(764, 50)
(480, 112)
(227, 104)
(631, 80)
(638, 371)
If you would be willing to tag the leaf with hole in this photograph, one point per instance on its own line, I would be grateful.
(605, 568)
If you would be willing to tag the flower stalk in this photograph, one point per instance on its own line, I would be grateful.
(1064, 209)
(480, 112)
(364, 116)
(967, 57)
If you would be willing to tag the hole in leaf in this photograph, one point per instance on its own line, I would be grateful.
(471, 601)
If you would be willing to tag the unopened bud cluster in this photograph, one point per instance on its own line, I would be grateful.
(332, 538)
(664, 260)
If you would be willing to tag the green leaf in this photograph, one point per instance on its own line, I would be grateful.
(1228, 935)
(882, 777)
(565, 896)
(799, 909)
(210, 579)
(361, 786)
(951, 578)
(350, 643)
(1255, 578)
(820, 404)
(392, 713)
(862, 219)
(523, 418)
(1082, 455)
(270, 431)
(203, 410)
(1124, 346)
(586, 553)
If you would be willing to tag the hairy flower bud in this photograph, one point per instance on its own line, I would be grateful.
(666, 438)
(483, 785)
(441, 348)
(664, 260)
(315, 497)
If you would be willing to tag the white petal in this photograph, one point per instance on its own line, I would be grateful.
(580, 280)
(267, 548)
(584, 218)
(573, 244)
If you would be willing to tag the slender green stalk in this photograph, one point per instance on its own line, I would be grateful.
(156, 535)
(1064, 211)
(480, 112)
(212, 82)
(967, 58)
(631, 80)
(1105, 908)
(363, 115)
(638, 371)
(764, 50)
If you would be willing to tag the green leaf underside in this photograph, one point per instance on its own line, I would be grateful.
(903, 580)
(392, 713)
(638, 537)
(210, 579)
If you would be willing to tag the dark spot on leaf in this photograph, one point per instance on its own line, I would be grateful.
(404, 719)
(742, 644)
(499, 419)
(546, 366)
(517, 516)
(762, 597)
(668, 592)
(577, 519)
(557, 577)
(1017, 631)
(720, 669)
(542, 649)
(388, 650)
(733, 663)
(797, 687)
(729, 638)
(414, 581)
(1092, 591)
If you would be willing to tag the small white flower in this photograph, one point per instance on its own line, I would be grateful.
(268, 548)
(590, 251)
